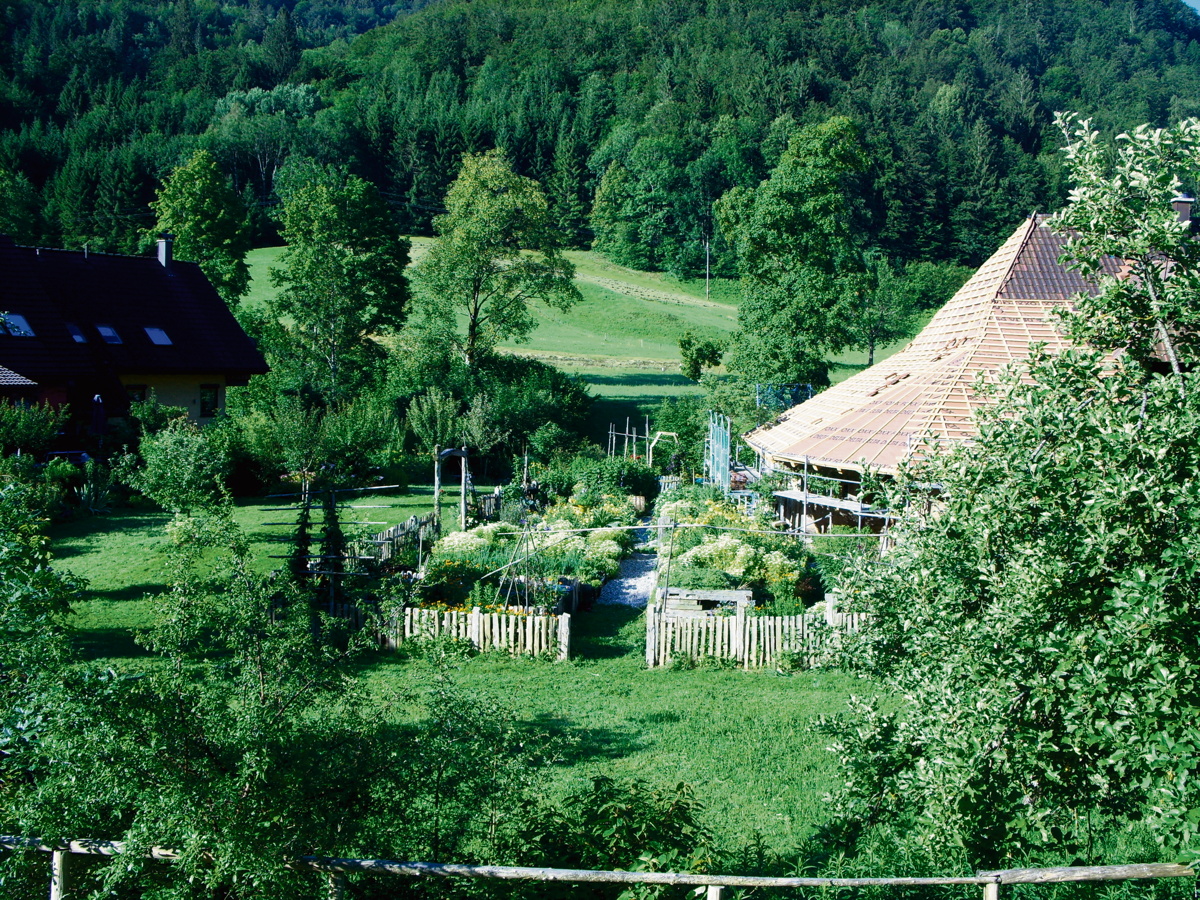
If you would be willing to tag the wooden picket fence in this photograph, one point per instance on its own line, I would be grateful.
(417, 531)
(753, 642)
(521, 634)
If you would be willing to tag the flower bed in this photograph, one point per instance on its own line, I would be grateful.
(778, 568)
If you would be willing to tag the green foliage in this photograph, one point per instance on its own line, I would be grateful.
(476, 269)
(33, 637)
(433, 418)
(105, 97)
(1035, 628)
(736, 551)
(345, 445)
(151, 416)
(882, 311)
(181, 471)
(29, 429)
(1121, 207)
(1037, 620)
(19, 217)
(698, 353)
(198, 205)
(342, 280)
(611, 825)
(798, 256)
(612, 476)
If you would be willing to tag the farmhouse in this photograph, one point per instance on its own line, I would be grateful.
(98, 330)
(923, 394)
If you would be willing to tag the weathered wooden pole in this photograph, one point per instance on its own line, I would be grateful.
(60, 880)
(462, 514)
(337, 886)
(437, 484)
(991, 891)
(651, 634)
(713, 892)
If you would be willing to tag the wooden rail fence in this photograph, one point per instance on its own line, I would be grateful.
(521, 634)
(752, 641)
(417, 531)
(62, 881)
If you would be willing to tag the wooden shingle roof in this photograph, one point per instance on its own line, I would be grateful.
(876, 417)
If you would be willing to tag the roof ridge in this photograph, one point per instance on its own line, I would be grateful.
(1030, 224)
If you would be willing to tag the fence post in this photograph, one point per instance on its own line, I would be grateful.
(337, 886)
(564, 636)
(60, 879)
(991, 891)
(476, 627)
(651, 635)
(739, 633)
(713, 892)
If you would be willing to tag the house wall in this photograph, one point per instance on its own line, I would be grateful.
(179, 390)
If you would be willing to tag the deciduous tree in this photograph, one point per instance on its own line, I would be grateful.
(494, 256)
(799, 256)
(198, 205)
(342, 284)
(1035, 625)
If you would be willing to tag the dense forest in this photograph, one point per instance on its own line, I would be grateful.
(635, 117)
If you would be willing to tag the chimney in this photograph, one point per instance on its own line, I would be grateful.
(1183, 207)
(165, 242)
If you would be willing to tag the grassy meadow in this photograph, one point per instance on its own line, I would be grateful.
(122, 556)
(622, 339)
(743, 740)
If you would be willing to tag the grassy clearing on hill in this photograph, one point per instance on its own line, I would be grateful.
(623, 338)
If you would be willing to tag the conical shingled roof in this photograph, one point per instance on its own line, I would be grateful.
(876, 417)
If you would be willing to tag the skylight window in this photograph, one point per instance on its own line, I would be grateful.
(17, 325)
(76, 333)
(158, 336)
(109, 334)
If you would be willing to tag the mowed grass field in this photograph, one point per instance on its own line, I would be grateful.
(622, 339)
(746, 742)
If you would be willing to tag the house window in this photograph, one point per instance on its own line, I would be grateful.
(76, 333)
(158, 336)
(109, 334)
(210, 396)
(136, 393)
(17, 325)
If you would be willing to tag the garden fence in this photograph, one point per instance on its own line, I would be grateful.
(64, 883)
(418, 531)
(518, 633)
(750, 641)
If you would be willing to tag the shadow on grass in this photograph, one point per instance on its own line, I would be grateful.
(583, 744)
(108, 643)
(605, 632)
(87, 526)
(641, 379)
(126, 592)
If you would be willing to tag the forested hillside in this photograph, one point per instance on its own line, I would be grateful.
(635, 116)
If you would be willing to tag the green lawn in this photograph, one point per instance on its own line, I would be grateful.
(123, 557)
(260, 262)
(742, 740)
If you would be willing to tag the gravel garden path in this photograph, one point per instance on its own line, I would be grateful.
(634, 581)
